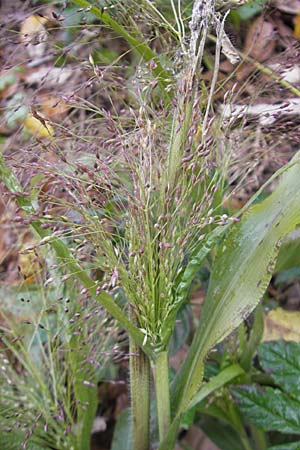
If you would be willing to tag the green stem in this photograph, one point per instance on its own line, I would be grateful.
(161, 377)
(140, 396)
(259, 437)
(238, 425)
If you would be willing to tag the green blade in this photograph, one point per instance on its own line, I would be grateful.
(242, 271)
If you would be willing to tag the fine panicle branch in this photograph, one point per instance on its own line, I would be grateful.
(163, 76)
(64, 255)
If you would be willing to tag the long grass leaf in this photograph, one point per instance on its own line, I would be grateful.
(242, 271)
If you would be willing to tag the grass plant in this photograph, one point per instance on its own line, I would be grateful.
(149, 205)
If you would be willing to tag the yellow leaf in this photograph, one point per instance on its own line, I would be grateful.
(34, 36)
(296, 33)
(31, 26)
(35, 127)
(282, 324)
(30, 264)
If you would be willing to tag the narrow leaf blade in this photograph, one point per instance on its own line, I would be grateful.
(243, 268)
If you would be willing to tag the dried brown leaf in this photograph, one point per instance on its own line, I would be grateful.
(260, 40)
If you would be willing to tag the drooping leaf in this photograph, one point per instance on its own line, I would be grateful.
(215, 383)
(269, 409)
(282, 361)
(243, 268)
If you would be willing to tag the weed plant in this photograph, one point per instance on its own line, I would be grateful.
(51, 364)
(148, 204)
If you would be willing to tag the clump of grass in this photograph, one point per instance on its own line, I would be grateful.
(143, 209)
(148, 197)
(50, 367)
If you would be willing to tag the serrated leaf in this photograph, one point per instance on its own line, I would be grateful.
(269, 409)
(242, 271)
(282, 361)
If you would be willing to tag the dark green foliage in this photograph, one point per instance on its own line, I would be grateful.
(275, 408)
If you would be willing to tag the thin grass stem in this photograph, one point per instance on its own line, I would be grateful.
(140, 396)
(161, 378)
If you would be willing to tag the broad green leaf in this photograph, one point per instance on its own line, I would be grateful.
(269, 409)
(290, 446)
(242, 271)
(122, 439)
(273, 408)
(282, 361)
